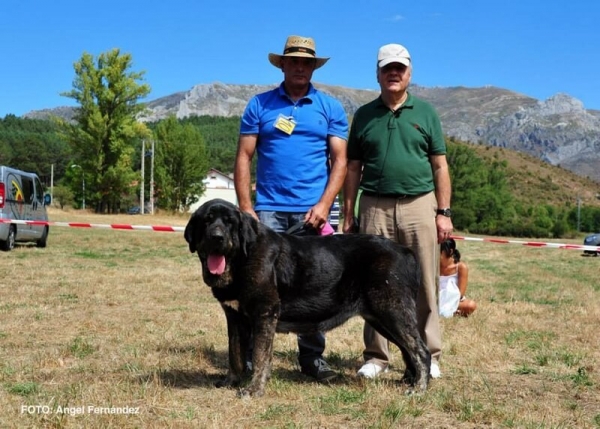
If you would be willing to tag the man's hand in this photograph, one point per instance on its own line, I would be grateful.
(250, 211)
(444, 227)
(351, 226)
(317, 216)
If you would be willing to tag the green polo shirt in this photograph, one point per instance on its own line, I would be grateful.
(394, 147)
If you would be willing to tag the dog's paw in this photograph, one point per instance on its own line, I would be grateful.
(410, 392)
(249, 392)
(414, 392)
(408, 378)
(417, 388)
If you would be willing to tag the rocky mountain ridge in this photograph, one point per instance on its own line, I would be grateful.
(558, 130)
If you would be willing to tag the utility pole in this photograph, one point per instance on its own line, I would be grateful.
(142, 184)
(152, 180)
(578, 214)
(52, 183)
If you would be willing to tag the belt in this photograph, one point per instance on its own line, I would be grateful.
(395, 196)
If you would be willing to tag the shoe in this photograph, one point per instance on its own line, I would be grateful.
(434, 371)
(370, 370)
(319, 370)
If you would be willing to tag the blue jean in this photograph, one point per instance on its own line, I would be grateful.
(310, 346)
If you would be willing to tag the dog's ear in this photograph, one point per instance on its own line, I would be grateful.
(248, 231)
(190, 232)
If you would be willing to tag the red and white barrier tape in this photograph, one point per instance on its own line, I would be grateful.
(158, 228)
(166, 228)
(532, 243)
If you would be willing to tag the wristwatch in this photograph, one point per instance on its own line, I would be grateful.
(444, 212)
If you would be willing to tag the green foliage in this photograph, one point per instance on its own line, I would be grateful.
(589, 218)
(107, 130)
(80, 348)
(106, 143)
(182, 164)
(5, 152)
(26, 388)
(582, 378)
(33, 145)
(483, 201)
(63, 196)
(221, 135)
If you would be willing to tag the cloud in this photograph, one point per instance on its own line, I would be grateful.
(396, 18)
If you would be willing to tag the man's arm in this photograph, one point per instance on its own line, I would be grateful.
(241, 174)
(317, 215)
(443, 194)
(350, 191)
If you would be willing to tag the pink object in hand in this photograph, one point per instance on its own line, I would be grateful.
(326, 230)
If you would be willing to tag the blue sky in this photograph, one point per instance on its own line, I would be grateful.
(536, 48)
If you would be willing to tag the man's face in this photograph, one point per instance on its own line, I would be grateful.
(394, 77)
(297, 71)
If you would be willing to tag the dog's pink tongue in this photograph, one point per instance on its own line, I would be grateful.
(216, 264)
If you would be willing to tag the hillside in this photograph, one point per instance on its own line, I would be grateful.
(533, 180)
(558, 131)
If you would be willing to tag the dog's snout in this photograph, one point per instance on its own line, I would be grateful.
(217, 234)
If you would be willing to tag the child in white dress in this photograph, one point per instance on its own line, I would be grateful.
(454, 272)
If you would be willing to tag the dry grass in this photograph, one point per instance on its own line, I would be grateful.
(105, 318)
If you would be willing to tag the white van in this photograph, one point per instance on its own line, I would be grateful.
(22, 198)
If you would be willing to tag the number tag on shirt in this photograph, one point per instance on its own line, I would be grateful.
(285, 124)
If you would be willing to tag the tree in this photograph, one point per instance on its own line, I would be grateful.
(63, 196)
(223, 134)
(481, 200)
(33, 145)
(103, 139)
(181, 164)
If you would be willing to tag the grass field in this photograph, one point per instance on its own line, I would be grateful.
(115, 329)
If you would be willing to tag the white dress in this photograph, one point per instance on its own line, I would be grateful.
(449, 295)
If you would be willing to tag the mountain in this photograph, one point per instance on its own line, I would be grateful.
(559, 130)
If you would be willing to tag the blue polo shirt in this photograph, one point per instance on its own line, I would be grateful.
(292, 169)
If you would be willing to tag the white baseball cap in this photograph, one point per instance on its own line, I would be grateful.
(392, 53)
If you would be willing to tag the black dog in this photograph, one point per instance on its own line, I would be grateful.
(268, 282)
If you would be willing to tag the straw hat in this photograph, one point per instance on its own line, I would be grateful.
(298, 46)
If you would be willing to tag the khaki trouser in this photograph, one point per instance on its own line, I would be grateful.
(409, 221)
